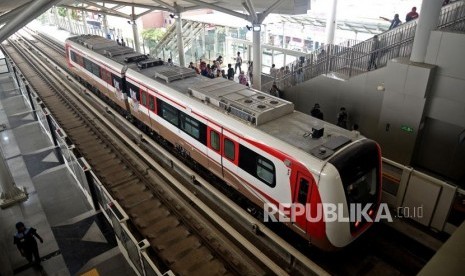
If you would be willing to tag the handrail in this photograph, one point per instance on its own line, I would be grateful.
(355, 59)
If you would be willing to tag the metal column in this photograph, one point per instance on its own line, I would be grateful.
(428, 20)
(180, 40)
(68, 15)
(33, 10)
(84, 22)
(331, 23)
(135, 31)
(257, 61)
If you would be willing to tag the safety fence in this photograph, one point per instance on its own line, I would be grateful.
(348, 61)
(416, 195)
(134, 250)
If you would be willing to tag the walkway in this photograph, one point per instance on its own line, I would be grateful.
(76, 238)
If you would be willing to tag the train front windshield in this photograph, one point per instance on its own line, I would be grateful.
(359, 168)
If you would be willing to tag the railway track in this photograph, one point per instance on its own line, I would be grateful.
(366, 256)
(183, 240)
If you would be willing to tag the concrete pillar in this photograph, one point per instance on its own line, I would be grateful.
(203, 39)
(331, 23)
(428, 20)
(84, 22)
(215, 42)
(10, 194)
(265, 35)
(257, 61)
(135, 33)
(180, 41)
(284, 38)
(105, 26)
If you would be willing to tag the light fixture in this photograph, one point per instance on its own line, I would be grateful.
(381, 87)
(131, 22)
(174, 16)
(257, 27)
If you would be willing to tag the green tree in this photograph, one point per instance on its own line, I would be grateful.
(152, 37)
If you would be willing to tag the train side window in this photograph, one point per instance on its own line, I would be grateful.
(265, 171)
(79, 60)
(88, 64)
(73, 56)
(95, 69)
(133, 91)
(106, 75)
(257, 166)
(214, 140)
(193, 127)
(151, 103)
(143, 97)
(116, 82)
(303, 191)
(168, 112)
(229, 150)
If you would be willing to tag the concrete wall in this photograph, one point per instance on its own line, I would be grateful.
(359, 95)
(436, 112)
(442, 147)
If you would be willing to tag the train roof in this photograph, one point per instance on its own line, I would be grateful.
(269, 114)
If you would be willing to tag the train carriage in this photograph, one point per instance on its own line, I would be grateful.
(272, 154)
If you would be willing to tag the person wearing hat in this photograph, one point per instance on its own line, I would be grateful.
(26, 242)
(316, 112)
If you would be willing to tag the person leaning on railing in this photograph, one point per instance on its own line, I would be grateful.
(394, 22)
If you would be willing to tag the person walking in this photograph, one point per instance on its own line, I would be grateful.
(374, 53)
(411, 15)
(25, 240)
(238, 63)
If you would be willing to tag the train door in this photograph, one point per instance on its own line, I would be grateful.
(230, 156)
(214, 145)
(302, 199)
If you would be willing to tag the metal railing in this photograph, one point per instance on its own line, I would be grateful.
(351, 60)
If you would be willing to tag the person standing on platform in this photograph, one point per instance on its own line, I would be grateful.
(374, 53)
(273, 71)
(250, 71)
(342, 118)
(243, 78)
(411, 15)
(274, 91)
(316, 112)
(238, 63)
(231, 72)
(25, 240)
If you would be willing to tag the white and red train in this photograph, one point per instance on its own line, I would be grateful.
(257, 143)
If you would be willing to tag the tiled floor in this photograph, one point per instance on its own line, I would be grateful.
(76, 238)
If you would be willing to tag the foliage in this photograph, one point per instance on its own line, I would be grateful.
(64, 11)
(153, 35)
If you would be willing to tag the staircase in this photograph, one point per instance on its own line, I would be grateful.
(345, 62)
(190, 30)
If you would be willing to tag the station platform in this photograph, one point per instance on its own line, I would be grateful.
(76, 239)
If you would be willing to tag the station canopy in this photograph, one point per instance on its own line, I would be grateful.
(123, 8)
